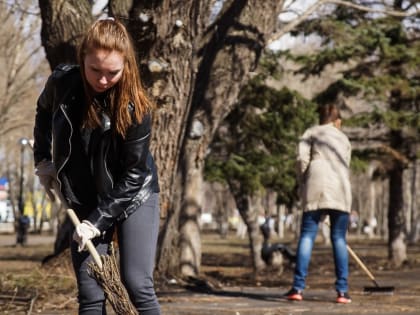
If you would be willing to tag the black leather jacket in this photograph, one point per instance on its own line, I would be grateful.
(123, 170)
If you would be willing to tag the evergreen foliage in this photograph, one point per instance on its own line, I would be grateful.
(257, 144)
(383, 54)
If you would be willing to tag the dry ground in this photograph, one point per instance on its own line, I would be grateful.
(225, 287)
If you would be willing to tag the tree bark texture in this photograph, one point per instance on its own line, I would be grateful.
(190, 240)
(63, 24)
(248, 210)
(203, 68)
(413, 201)
(227, 57)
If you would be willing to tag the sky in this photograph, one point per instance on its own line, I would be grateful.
(98, 6)
(294, 8)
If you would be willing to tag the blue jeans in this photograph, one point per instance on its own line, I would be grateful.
(309, 228)
(137, 239)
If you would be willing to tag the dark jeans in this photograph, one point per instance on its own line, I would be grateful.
(309, 228)
(137, 238)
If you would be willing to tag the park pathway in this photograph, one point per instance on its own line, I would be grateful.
(263, 300)
(269, 301)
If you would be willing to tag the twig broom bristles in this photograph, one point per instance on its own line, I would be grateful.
(105, 271)
(109, 279)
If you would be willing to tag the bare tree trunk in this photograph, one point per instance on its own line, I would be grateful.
(372, 217)
(415, 217)
(223, 206)
(63, 24)
(190, 240)
(36, 214)
(204, 85)
(12, 176)
(250, 218)
(281, 227)
(270, 203)
(415, 234)
(249, 215)
(43, 204)
(383, 199)
(396, 220)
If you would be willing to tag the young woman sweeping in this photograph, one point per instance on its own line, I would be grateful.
(92, 133)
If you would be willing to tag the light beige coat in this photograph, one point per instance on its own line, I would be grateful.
(323, 165)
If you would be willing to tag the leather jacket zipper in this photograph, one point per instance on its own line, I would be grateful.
(107, 171)
(71, 134)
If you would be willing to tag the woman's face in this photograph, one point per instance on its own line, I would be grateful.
(103, 69)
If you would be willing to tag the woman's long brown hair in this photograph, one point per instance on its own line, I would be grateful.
(111, 35)
(328, 113)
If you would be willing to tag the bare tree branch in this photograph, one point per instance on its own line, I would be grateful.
(395, 13)
(295, 22)
(18, 8)
(291, 25)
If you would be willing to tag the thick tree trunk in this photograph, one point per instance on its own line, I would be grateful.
(229, 54)
(371, 218)
(281, 226)
(414, 223)
(63, 24)
(192, 201)
(171, 51)
(396, 220)
(249, 213)
(204, 69)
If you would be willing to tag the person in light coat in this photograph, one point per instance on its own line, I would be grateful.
(324, 153)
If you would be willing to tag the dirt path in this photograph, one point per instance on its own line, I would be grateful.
(229, 290)
(238, 295)
(10, 239)
(269, 301)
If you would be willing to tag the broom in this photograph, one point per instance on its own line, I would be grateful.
(104, 269)
(372, 289)
(368, 290)
(106, 272)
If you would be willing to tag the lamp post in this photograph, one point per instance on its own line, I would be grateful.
(23, 142)
(23, 221)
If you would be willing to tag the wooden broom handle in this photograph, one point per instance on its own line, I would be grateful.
(361, 264)
(73, 217)
(91, 248)
(357, 259)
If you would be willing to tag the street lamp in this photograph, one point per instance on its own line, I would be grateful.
(23, 142)
(23, 221)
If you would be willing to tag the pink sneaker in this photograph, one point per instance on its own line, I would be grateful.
(294, 295)
(343, 298)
